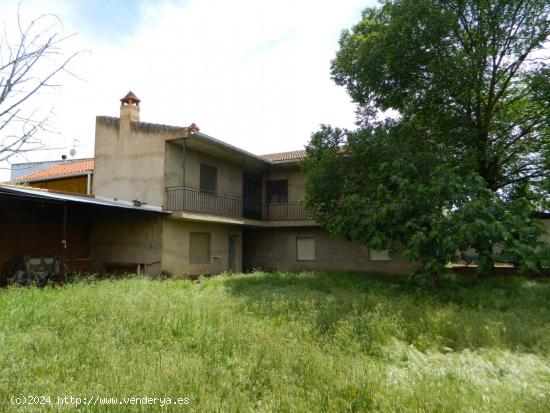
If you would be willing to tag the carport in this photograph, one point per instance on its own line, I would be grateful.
(40, 222)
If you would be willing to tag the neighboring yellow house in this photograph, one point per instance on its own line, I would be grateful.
(74, 176)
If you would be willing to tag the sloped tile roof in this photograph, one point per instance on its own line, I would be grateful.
(83, 166)
(285, 156)
(63, 169)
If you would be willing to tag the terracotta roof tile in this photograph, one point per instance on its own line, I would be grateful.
(285, 156)
(85, 165)
(130, 96)
(67, 168)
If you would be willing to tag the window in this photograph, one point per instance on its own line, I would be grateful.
(208, 178)
(199, 248)
(305, 248)
(382, 255)
(277, 191)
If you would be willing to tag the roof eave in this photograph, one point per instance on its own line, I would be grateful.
(53, 177)
(287, 162)
(229, 147)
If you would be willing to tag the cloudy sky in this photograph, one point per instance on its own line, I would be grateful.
(252, 73)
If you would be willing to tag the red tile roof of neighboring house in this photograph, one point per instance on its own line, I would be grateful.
(82, 166)
(63, 169)
(285, 156)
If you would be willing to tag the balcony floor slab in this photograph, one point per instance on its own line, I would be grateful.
(197, 217)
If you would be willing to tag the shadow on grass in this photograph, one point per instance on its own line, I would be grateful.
(373, 309)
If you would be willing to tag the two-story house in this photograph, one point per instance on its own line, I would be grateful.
(227, 209)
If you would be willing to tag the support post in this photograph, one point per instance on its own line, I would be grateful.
(183, 163)
(63, 242)
(183, 149)
(267, 206)
(89, 184)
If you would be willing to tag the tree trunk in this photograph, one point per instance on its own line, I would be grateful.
(436, 284)
(486, 264)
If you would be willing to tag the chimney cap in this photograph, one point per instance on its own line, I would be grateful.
(130, 98)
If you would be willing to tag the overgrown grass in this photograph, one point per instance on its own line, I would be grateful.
(319, 342)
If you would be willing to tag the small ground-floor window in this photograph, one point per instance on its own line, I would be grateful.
(305, 248)
(382, 255)
(199, 248)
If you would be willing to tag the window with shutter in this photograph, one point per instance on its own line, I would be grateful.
(305, 248)
(208, 178)
(199, 248)
(277, 191)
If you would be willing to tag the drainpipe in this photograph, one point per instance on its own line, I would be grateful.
(183, 193)
(183, 162)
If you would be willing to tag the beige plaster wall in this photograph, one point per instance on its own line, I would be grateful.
(296, 180)
(129, 159)
(230, 175)
(173, 164)
(127, 237)
(175, 251)
(275, 248)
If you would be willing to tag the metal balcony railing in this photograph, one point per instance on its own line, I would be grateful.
(285, 211)
(184, 198)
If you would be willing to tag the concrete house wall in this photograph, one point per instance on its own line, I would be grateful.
(175, 251)
(127, 238)
(173, 164)
(176, 232)
(129, 165)
(296, 180)
(129, 159)
(275, 248)
(229, 176)
(135, 161)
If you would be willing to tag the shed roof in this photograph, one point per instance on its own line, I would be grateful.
(18, 191)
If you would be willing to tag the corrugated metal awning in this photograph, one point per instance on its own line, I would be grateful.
(25, 192)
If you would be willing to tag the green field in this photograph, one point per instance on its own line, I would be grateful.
(309, 342)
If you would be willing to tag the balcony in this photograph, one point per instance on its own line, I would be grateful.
(288, 211)
(194, 200)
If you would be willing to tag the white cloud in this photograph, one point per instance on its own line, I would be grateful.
(254, 74)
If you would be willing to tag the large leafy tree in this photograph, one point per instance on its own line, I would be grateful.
(466, 156)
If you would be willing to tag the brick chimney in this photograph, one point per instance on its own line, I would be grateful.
(129, 108)
(129, 112)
